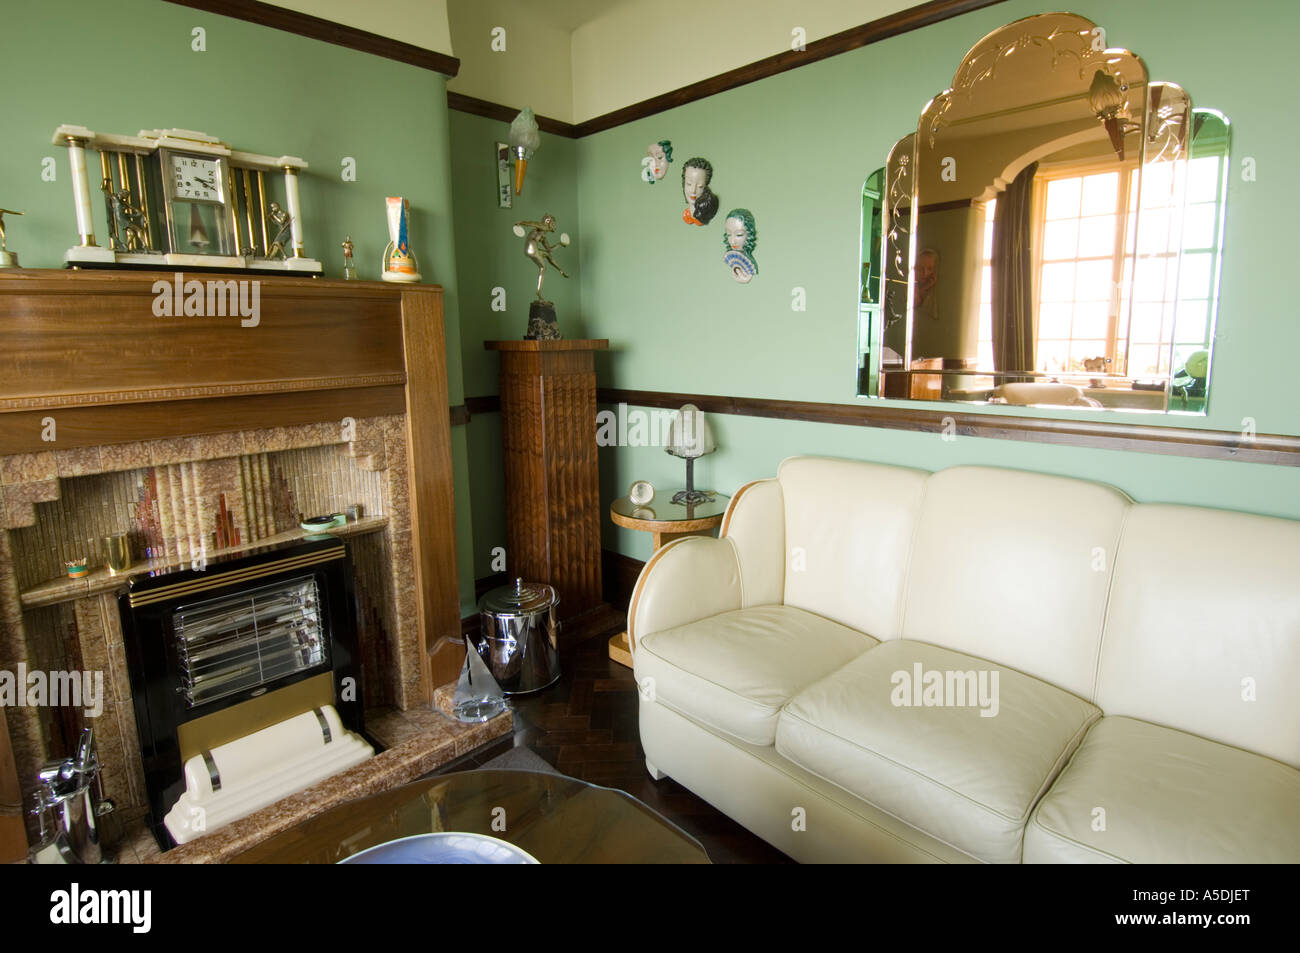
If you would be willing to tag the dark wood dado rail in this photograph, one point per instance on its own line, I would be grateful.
(1281, 449)
(1278, 449)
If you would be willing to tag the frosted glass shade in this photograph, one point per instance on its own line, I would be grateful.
(689, 434)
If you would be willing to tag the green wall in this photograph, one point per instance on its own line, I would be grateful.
(488, 256)
(129, 65)
(795, 149)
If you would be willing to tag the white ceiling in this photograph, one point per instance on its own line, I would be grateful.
(571, 14)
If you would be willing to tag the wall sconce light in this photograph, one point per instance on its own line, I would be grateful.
(1110, 105)
(525, 139)
(689, 437)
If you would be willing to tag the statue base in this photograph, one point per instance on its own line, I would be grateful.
(8, 259)
(542, 325)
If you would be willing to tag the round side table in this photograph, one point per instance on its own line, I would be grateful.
(666, 521)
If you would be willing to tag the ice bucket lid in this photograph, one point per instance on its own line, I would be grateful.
(519, 598)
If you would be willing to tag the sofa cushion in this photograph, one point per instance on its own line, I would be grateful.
(849, 528)
(1207, 638)
(966, 778)
(734, 671)
(1169, 798)
(1015, 567)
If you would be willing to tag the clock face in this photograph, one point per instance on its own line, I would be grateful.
(196, 178)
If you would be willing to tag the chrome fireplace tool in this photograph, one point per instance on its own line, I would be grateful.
(69, 805)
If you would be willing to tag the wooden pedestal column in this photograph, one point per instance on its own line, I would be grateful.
(553, 511)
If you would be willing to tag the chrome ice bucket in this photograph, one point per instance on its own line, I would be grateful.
(518, 631)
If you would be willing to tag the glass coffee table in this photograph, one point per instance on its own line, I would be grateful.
(557, 819)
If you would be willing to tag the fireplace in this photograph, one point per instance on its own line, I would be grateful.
(216, 653)
(338, 396)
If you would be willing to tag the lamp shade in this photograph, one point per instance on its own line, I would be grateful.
(689, 434)
(1105, 96)
(525, 139)
(525, 134)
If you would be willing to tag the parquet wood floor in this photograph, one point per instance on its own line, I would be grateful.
(586, 727)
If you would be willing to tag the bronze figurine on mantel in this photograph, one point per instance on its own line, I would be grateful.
(542, 324)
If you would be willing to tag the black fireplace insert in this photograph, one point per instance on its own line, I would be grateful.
(218, 651)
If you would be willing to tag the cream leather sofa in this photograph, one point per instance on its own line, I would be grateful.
(1140, 666)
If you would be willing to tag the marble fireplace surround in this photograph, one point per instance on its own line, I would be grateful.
(233, 439)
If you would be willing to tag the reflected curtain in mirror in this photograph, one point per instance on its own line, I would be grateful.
(1015, 337)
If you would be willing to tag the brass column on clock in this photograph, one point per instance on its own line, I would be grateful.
(548, 434)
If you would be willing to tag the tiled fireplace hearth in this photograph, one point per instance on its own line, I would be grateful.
(208, 455)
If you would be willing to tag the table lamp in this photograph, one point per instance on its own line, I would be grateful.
(689, 437)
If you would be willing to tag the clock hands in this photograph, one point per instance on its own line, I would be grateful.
(194, 184)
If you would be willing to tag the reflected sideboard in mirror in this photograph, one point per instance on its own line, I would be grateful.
(1050, 235)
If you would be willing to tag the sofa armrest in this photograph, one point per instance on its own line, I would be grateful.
(688, 579)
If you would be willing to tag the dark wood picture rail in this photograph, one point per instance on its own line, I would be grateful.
(483, 107)
(853, 38)
(1277, 449)
(315, 28)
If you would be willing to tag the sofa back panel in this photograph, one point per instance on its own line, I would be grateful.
(1015, 567)
(848, 535)
(755, 524)
(1204, 600)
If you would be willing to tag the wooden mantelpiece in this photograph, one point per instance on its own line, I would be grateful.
(87, 348)
(548, 433)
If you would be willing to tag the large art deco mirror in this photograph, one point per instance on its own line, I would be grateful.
(1050, 235)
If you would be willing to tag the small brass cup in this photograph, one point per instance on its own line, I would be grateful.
(117, 553)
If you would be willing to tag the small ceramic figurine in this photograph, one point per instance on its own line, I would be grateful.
(655, 165)
(399, 260)
(701, 203)
(7, 258)
(739, 236)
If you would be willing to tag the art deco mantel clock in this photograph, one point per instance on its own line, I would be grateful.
(179, 198)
